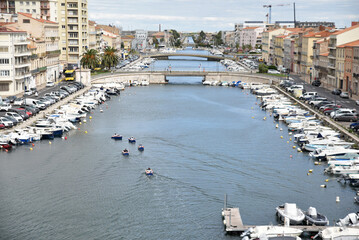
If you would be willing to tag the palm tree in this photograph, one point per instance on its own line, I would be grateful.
(110, 58)
(90, 59)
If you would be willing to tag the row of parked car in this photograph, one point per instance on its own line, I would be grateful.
(16, 110)
(328, 107)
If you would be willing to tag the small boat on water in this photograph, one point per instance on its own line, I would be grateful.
(149, 172)
(125, 152)
(271, 231)
(132, 140)
(141, 147)
(314, 218)
(290, 211)
(339, 233)
(117, 137)
(5, 146)
(356, 199)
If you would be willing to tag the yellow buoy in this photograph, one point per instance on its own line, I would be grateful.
(281, 137)
(310, 170)
(253, 117)
(326, 180)
(294, 147)
(85, 131)
(50, 142)
(264, 118)
(308, 174)
(290, 139)
(80, 123)
(90, 117)
(287, 141)
(31, 149)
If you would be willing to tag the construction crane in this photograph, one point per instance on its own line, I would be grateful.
(270, 9)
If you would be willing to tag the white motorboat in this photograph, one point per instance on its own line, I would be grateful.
(339, 233)
(271, 231)
(206, 82)
(336, 151)
(291, 212)
(339, 170)
(145, 82)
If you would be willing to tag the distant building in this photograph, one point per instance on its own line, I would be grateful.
(315, 24)
(250, 36)
(140, 41)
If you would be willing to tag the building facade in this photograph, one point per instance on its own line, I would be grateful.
(15, 74)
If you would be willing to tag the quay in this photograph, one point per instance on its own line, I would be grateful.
(48, 110)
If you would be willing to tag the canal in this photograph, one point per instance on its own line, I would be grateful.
(202, 142)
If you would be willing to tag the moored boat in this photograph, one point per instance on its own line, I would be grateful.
(271, 231)
(339, 233)
(314, 218)
(141, 147)
(290, 211)
(132, 140)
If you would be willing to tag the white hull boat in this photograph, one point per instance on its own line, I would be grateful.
(291, 212)
(339, 233)
(271, 231)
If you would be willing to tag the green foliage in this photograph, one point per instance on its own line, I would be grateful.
(218, 39)
(110, 58)
(90, 59)
(122, 45)
(272, 67)
(258, 46)
(263, 68)
(175, 34)
(154, 40)
(202, 35)
(178, 43)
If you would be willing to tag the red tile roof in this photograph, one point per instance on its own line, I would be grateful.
(9, 29)
(321, 34)
(345, 30)
(324, 54)
(350, 44)
(36, 19)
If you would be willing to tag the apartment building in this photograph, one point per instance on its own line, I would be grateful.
(320, 60)
(45, 9)
(336, 58)
(250, 36)
(279, 50)
(288, 51)
(94, 36)
(267, 44)
(355, 70)
(38, 62)
(73, 30)
(15, 74)
(47, 32)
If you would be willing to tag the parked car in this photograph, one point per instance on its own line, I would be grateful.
(308, 95)
(13, 120)
(322, 103)
(329, 106)
(11, 98)
(342, 111)
(316, 83)
(317, 100)
(272, 71)
(330, 110)
(5, 106)
(2, 126)
(347, 117)
(344, 95)
(291, 88)
(336, 91)
(21, 112)
(6, 122)
(354, 126)
(28, 93)
(50, 84)
(14, 115)
(18, 101)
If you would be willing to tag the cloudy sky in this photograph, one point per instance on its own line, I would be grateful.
(215, 15)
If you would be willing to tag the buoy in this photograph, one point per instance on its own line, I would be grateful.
(315, 163)
(50, 142)
(294, 147)
(85, 131)
(290, 139)
(65, 138)
(291, 156)
(310, 170)
(253, 117)
(251, 107)
(33, 145)
(326, 180)
(80, 123)
(30, 149)
(308, 174)
(264, 118)
(290, 133)
(287, 141)
(276, 126)
(299, 150)
(90, 117)
(323, 186)
(337, 199)
(281, 129)
(281, 137)
(85, 121)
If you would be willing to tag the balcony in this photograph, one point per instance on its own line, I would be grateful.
(21, 42)
(22, 65)
(53, 53)
(42, 69)
(331, 56)
(332, 66)
(21, 76)
(44, 6)
(22, 54)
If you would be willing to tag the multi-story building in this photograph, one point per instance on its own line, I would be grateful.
(250, 36)
(307, 51)
(45, 9)
(140, 41)
(314, 24)
(15, 74)
(278, 50)
(73, 29)
(320, 60)
(336, 68)
(43, 32)
(288, 51)
(345, 59)
(38, 62)
(127, 42)
(355, 70)
(94, 36)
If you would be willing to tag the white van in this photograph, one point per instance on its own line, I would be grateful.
(34, 102)
(308, 95)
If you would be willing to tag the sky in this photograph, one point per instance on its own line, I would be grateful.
(216, 15)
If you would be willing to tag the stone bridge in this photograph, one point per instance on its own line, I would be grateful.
(161, 77)
(165, 56)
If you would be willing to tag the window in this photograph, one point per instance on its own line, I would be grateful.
(63, 26)
(4, 61)
(26, 21)
(33, 3)
(28, 10)
(4, 73)
(4, 49)
(64, 48)
(33, 10)
(62, 4)
(27, 3)
(21, 3)
(4, 87)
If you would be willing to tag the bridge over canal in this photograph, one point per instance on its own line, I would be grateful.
(165, 56)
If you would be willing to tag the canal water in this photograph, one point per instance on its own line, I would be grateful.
(202, 142)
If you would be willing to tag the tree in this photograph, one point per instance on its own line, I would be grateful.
(122, 45)
(155, 42)
(263, 68)
(202, 35)
(90, 59)
(218, 39)
(110, 58)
